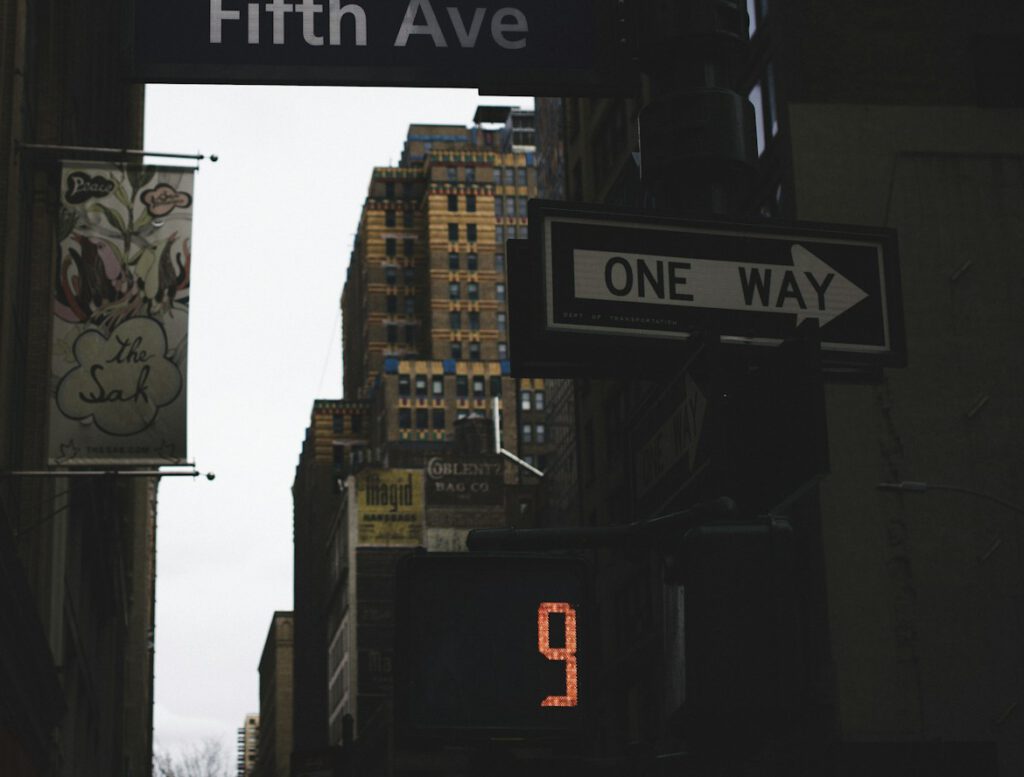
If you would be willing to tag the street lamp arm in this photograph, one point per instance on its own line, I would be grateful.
(916, 486)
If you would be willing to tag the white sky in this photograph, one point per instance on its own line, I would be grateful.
(273, 225)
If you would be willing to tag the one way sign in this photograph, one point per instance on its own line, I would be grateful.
(640, 276)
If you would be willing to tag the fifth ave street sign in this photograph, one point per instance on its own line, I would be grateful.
(509, 47)
(635, 275)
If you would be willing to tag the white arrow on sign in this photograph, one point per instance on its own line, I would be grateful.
(808, 288)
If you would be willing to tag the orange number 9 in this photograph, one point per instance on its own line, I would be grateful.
(567, 653)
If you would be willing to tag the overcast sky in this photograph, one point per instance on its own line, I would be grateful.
(273, 225)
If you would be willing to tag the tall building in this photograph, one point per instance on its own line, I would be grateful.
(407, 459)
(891, 115)
(277, 665)
(248, 745)
(77, 553)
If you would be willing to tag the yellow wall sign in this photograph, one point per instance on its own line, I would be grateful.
(390, 503)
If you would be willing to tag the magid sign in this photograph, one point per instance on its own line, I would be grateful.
(539, 46)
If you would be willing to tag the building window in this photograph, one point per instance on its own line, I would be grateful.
(407, 189)
(539, 434)
(495, 385)
(521, 203)
(471, 261)
(408, 246)
(523, 231)
(473, 290)
(391, 274)
(510, 206)
(471, 233)
(499, 262)
(474, 320)
(454, 290)
(509, 177)
(525, 400)
(392, 303)
(453, 260)
(474, 350)
(452, 173)
(478, 387)
(437, 385)
(521, 176)
(499, 292)
(456, 349)
(404, 417)
(499, 206)
(502, 322)
(471, 203)
(389, 189)
(422, 418)
(407, 218)
(453, 202)
(438, 418)
(338, 424)
(410, 305)
(455, 320)
(499, 235)
(453, 232)
(470, 174)
(403, 385)
(392, 332)
(390, 246)
(421, 385)
(389, 218)
(538, 400)
(461, 386)
(497, 175)
(409, 275)
(502, 350)
(526, 434)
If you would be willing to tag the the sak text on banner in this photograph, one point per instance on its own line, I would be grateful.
(120, 315)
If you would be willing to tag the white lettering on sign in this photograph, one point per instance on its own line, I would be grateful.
(508, 26)
(809, 287)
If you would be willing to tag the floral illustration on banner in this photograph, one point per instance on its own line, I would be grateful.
(121, 296)
(116, 260)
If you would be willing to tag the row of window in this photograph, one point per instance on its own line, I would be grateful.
(391, 275)
(510, 206)
(509, 176)
(391, 218)
(473, 320)
(407, 384)
(453, 233)
(454, 261)
(533, 433)
(473, 350)
(391, 246)
(453, 203)
(408, 189)
(355, 423)
(531, 400)
(409, 305)
(391, 332)
(522, 232)
(473, 291)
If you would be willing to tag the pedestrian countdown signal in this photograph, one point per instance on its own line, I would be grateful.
(492, 646)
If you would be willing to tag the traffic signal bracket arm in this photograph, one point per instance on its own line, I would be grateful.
(650, 533)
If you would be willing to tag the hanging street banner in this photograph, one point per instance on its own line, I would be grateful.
(120, 315)
(391, 508)
(640, 277)
(516, 46)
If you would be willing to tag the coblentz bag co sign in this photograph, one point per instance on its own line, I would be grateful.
(465, 481)
(543, 46)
